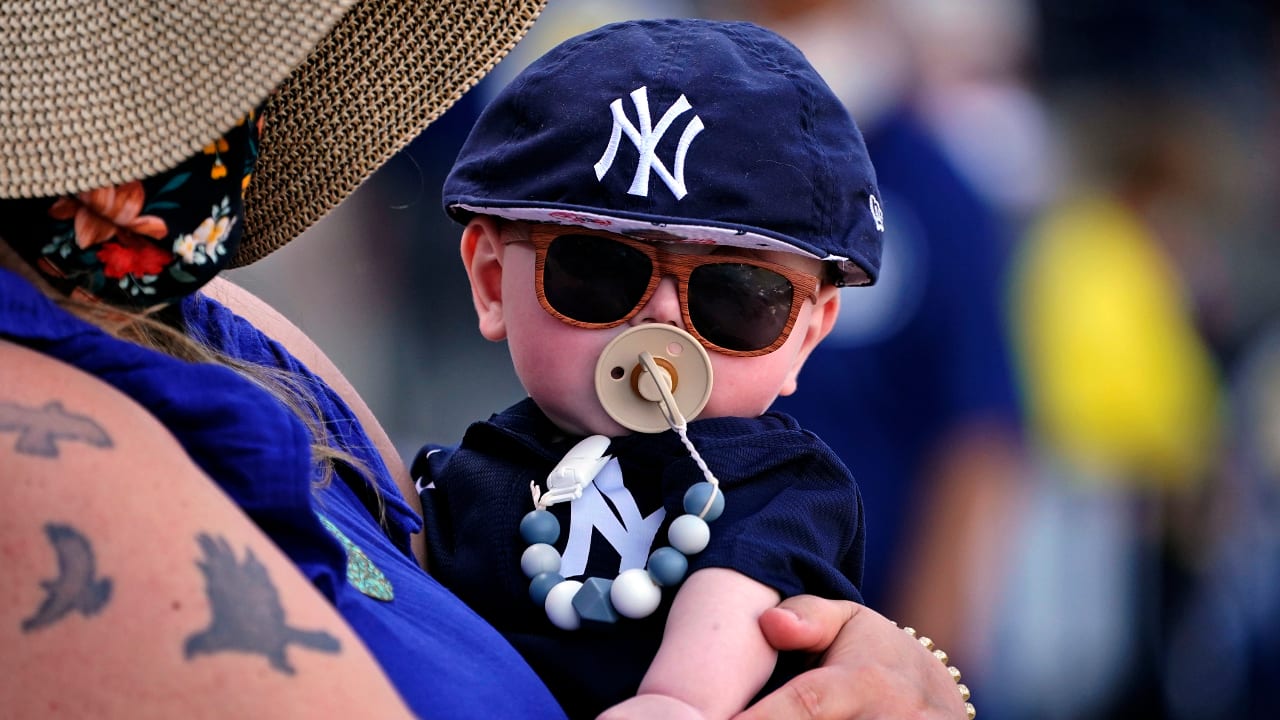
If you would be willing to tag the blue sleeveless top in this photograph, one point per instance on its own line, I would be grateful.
(445, 661)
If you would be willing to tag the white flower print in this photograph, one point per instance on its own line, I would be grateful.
(185, 247)
(206, 241)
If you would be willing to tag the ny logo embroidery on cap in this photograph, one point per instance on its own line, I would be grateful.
(646, 140)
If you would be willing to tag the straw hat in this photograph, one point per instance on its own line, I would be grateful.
(97, 92)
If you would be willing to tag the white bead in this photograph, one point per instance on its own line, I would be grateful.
(689, 534)
(539, 558)
(634, 594)
(559, 605)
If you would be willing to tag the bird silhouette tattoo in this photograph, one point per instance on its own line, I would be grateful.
(246, 609)
(75, 589)
(41, 429)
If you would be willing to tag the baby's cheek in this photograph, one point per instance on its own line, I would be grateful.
(561, 379)
(744, 387)
(733, 399)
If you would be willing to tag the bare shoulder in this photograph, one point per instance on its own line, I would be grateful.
(125, 562)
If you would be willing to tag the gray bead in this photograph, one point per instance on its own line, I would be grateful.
(696, 497)
(540, 526)
(688, 533)
(592, 602)
(540, 558)
(541, 584)
(667, 566)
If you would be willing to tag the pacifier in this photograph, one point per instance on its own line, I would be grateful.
(636, 368)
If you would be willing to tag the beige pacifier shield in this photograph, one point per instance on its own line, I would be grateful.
(620, 376)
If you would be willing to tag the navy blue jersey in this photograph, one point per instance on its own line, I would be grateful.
(792, 520)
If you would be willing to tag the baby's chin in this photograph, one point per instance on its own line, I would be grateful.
(596, 422)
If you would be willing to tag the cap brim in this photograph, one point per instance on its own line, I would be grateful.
(95, 93)
(385, 72)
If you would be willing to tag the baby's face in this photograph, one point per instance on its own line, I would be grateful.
(556, 361)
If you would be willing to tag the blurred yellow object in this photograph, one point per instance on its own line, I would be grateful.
(1118, 381)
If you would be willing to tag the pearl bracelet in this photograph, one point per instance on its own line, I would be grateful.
(955, 673)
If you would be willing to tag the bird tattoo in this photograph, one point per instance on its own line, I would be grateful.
(76, 589)
(246, 609)
(41, 429)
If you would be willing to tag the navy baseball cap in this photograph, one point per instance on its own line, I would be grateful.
(678, 129)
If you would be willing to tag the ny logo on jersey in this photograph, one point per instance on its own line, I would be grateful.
(646, 139)
(631, 536)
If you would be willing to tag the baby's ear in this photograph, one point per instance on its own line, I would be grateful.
(482, 250)
(823, 317)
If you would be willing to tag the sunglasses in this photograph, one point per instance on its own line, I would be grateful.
(739, 306)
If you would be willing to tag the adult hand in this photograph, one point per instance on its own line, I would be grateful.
(870, 668)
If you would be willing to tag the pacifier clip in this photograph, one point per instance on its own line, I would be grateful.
(669, 380)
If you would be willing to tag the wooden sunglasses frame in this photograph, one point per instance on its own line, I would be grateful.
(804, 285)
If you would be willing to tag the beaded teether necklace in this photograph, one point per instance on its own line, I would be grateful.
(637, 592)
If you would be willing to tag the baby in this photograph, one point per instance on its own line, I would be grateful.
(658, 218)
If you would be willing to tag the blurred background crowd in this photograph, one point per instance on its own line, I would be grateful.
(1062, 400)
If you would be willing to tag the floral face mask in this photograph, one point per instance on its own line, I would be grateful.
(144, 242)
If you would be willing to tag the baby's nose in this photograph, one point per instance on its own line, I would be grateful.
(663, 307)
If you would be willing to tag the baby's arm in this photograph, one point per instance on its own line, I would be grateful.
(713, 658)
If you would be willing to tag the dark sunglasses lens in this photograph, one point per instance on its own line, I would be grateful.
(593, 279)
(737, 306)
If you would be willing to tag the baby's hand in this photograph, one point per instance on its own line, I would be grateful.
(651, 707)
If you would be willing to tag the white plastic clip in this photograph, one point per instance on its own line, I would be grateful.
(578, 468)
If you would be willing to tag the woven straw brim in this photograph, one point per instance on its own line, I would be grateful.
(386, 71)
(97, 92)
